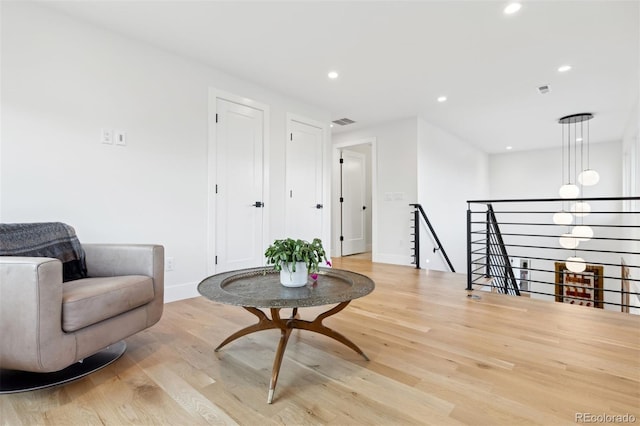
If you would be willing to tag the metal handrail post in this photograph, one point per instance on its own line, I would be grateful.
(416, 241)
(488, 244)
(509, 275)
(469, 286)
(435, 236)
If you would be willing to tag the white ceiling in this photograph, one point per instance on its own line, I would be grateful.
(395, 58)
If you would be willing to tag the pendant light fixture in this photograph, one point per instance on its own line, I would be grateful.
(576, 264)
(567, 190)
(569, 241)
(582, 232)
(588, 176)
(562, 218)
(575, 129)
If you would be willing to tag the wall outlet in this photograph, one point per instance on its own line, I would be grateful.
(169, 264)
(106, 136)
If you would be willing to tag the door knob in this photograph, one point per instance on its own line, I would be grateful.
(319, 206)
(258, 204)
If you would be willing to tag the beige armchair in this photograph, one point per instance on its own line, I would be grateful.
(47, 325)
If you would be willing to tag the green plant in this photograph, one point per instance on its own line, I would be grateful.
(291, 251)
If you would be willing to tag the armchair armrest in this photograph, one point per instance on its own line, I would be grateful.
(30, 297)
(108, 260)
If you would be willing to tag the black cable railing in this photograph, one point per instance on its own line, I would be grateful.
(418, 212)
(514, 247)
(498, 264)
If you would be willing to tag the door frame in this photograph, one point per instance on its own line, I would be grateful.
(348, 214)
(374, 191)
(213, 95)
(326, 173)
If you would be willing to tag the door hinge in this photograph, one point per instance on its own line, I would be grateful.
(216, 260)
(216, 117)
(342, 199)
(291, 136)
(341, 160)
(216, 188)
(341, 238)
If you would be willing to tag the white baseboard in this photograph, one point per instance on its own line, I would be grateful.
(181, 291)
(395, 259)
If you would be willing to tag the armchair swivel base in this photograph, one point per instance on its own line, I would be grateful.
(14, 381)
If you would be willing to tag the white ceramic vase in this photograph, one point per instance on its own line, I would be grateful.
(299, 278)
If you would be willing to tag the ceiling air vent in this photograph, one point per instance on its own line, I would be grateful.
(344, 121)
(544, 89)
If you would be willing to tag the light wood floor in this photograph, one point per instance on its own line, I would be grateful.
(437, 357)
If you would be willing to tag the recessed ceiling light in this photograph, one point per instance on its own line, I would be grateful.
(442, 98)
(512, 8)
(509, 148)
(578, 139)
(331, 125)
(564, 68)
(332, 75)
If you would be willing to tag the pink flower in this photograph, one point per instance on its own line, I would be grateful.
(314, 276)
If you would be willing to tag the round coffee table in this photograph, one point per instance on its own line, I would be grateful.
(256, 288)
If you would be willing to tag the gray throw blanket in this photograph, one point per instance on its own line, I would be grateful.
(51, 239)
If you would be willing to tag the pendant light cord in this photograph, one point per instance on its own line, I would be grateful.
(588, 147)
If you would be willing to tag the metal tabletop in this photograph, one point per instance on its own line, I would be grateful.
(261, 288)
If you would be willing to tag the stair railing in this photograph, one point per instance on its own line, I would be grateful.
(498, 264)
(529, 251)
(418, 212)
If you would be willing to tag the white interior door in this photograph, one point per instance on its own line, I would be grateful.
(304, 177)
(239, 186)
(353, 202)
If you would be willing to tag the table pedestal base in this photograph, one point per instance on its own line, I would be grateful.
(286, 326)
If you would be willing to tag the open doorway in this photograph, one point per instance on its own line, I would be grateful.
(354, 191)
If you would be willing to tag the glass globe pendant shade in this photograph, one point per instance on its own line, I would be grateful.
(582, 232)
(576, 264)
(588, 177)
(562, 218)
(569, 241)
(569, 190)
(581, 209)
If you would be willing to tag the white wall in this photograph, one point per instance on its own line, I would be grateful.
(450, 172)
(62, 81)
(537, 174)
(396, 186)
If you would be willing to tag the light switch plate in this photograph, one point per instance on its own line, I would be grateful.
(106, 136)
(120, 137)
